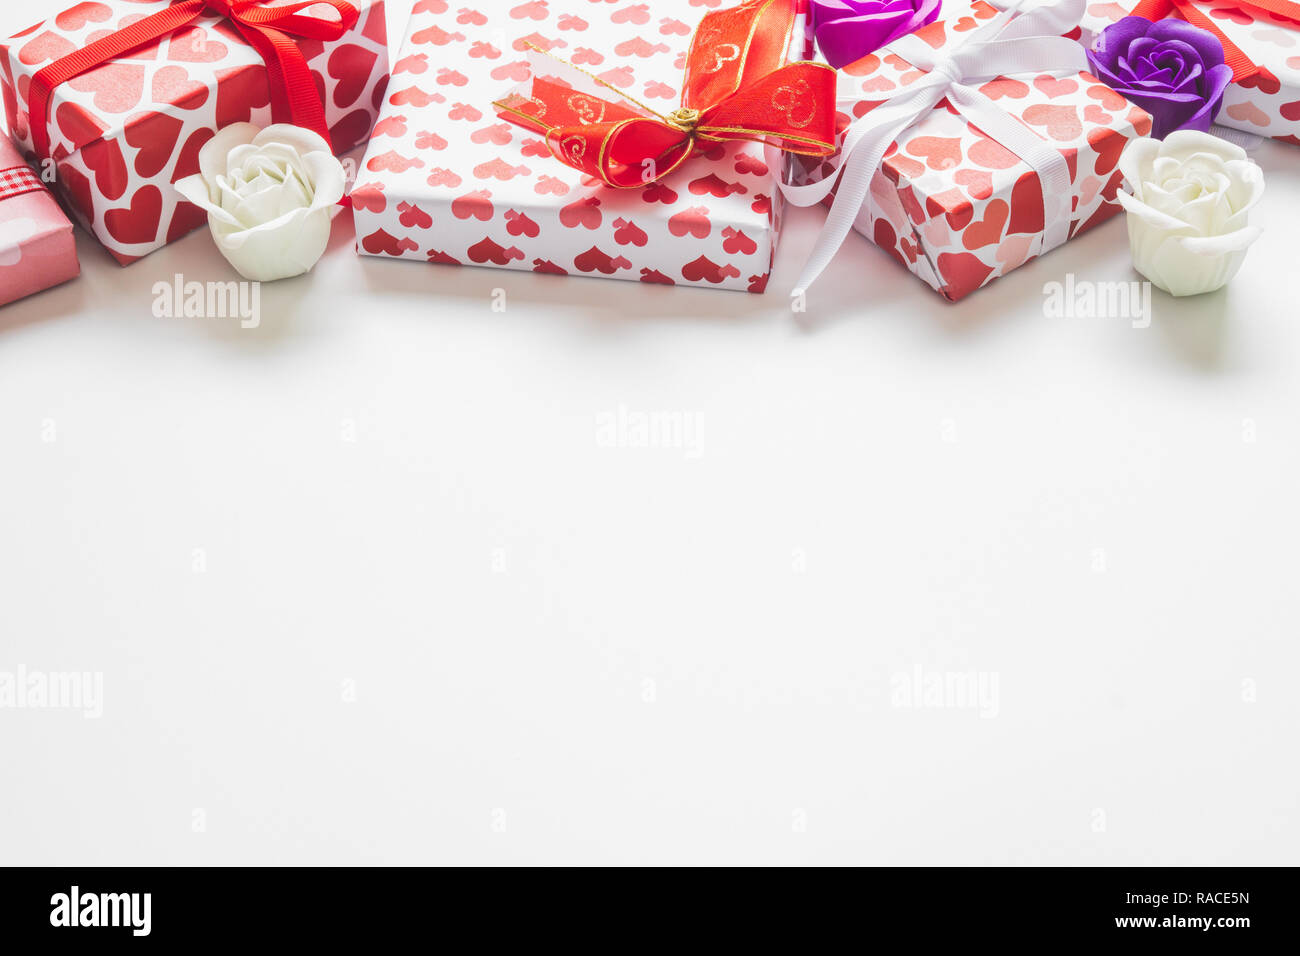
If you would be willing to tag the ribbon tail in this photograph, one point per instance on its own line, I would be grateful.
(864, 149)
(286, 71)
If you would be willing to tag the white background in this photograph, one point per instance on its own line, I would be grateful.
(366, 584)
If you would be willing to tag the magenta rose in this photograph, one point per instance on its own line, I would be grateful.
(847, 30)
(1171, 69)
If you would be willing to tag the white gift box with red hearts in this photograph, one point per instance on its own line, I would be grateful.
(957, 208)
(1267, 104)
(445, 180)
(124, 132)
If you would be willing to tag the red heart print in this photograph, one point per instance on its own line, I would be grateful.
(139, 223)
(1005, 86)
(1026, 205)
(76, 17)
(978, 182)
(1094, 114)
(172, 85)
(518, 224)
(991, 155)
(596, 260)
(476, 204)
(883, 235)
(711, 185)
(351, 130)
(415, 63)
(499, 170)
(187, 164)
(1052, 88)
(629, 233)
(380, 242)
(550, 185)
(413, 217)
(118, 87)
(1248, 113)
(954, 205)
(584, 212)
(186, 217)
(1290, 111)
(486, 250)
(443, 258)
(736, 243)
(76, 187)
(655, 277)
(154, 136)
(692, 221)
(496, 133)
(534, 10)
(705, 269)
(392, 126)
(939, 152)
(76, 124)
(1108, 145)
(370, 197)
(1239, 17)
(104, 158)
(427, 139)
(195, 46)
(45, 46)
(240, 90)
(393, 162)
(986, 231)
(962, 273)
(1264, 81)
(1108, 97)
(351, 66)
(1062, 122)
(443, 177)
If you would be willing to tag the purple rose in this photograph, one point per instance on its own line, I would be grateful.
(847, 30)
(1171, 69)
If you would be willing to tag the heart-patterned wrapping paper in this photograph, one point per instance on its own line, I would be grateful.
(123, 133)
(445, 180)
(1267, 104)
(37, 248)
(957, 208)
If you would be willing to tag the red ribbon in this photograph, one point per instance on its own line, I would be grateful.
(1243, 67)
(738, 86)
(294, 98)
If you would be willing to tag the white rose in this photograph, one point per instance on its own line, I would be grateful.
(1187, 215)
(270, 195)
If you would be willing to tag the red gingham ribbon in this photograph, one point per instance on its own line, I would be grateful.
(18, 180)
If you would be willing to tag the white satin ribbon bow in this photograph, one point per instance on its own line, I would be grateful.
(1009, 44)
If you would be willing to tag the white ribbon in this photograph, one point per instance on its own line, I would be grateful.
(1009, 44)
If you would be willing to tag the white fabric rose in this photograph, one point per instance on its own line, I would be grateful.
(270, 195)
(1192, 194)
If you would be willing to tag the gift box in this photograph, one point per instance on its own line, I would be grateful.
(447, 180)
(37, 248)
(1267, 103)
(120, 134)
(953, 204)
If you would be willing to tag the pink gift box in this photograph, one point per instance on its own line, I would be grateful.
(124, 132)
(1267, 104)
(444, 180)
(955, 207)
(37, 248)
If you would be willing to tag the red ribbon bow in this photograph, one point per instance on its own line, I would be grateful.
(738, 86)
(1243, 67)
(294, 98)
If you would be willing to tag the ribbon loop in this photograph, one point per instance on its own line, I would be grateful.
(737, 86)
(266, 29)
(1005, 46)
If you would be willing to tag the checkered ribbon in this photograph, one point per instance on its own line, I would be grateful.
(17, 180)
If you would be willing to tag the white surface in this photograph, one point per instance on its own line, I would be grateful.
(568, 652)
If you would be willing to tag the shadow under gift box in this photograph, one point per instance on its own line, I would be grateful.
(1267, 104)
(37, 248)
(445, 180)
(957, 208)
(124, 132)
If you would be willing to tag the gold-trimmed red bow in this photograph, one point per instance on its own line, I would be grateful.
(737, 86)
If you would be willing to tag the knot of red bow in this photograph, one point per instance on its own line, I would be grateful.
(738, 86)
(268, 30)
